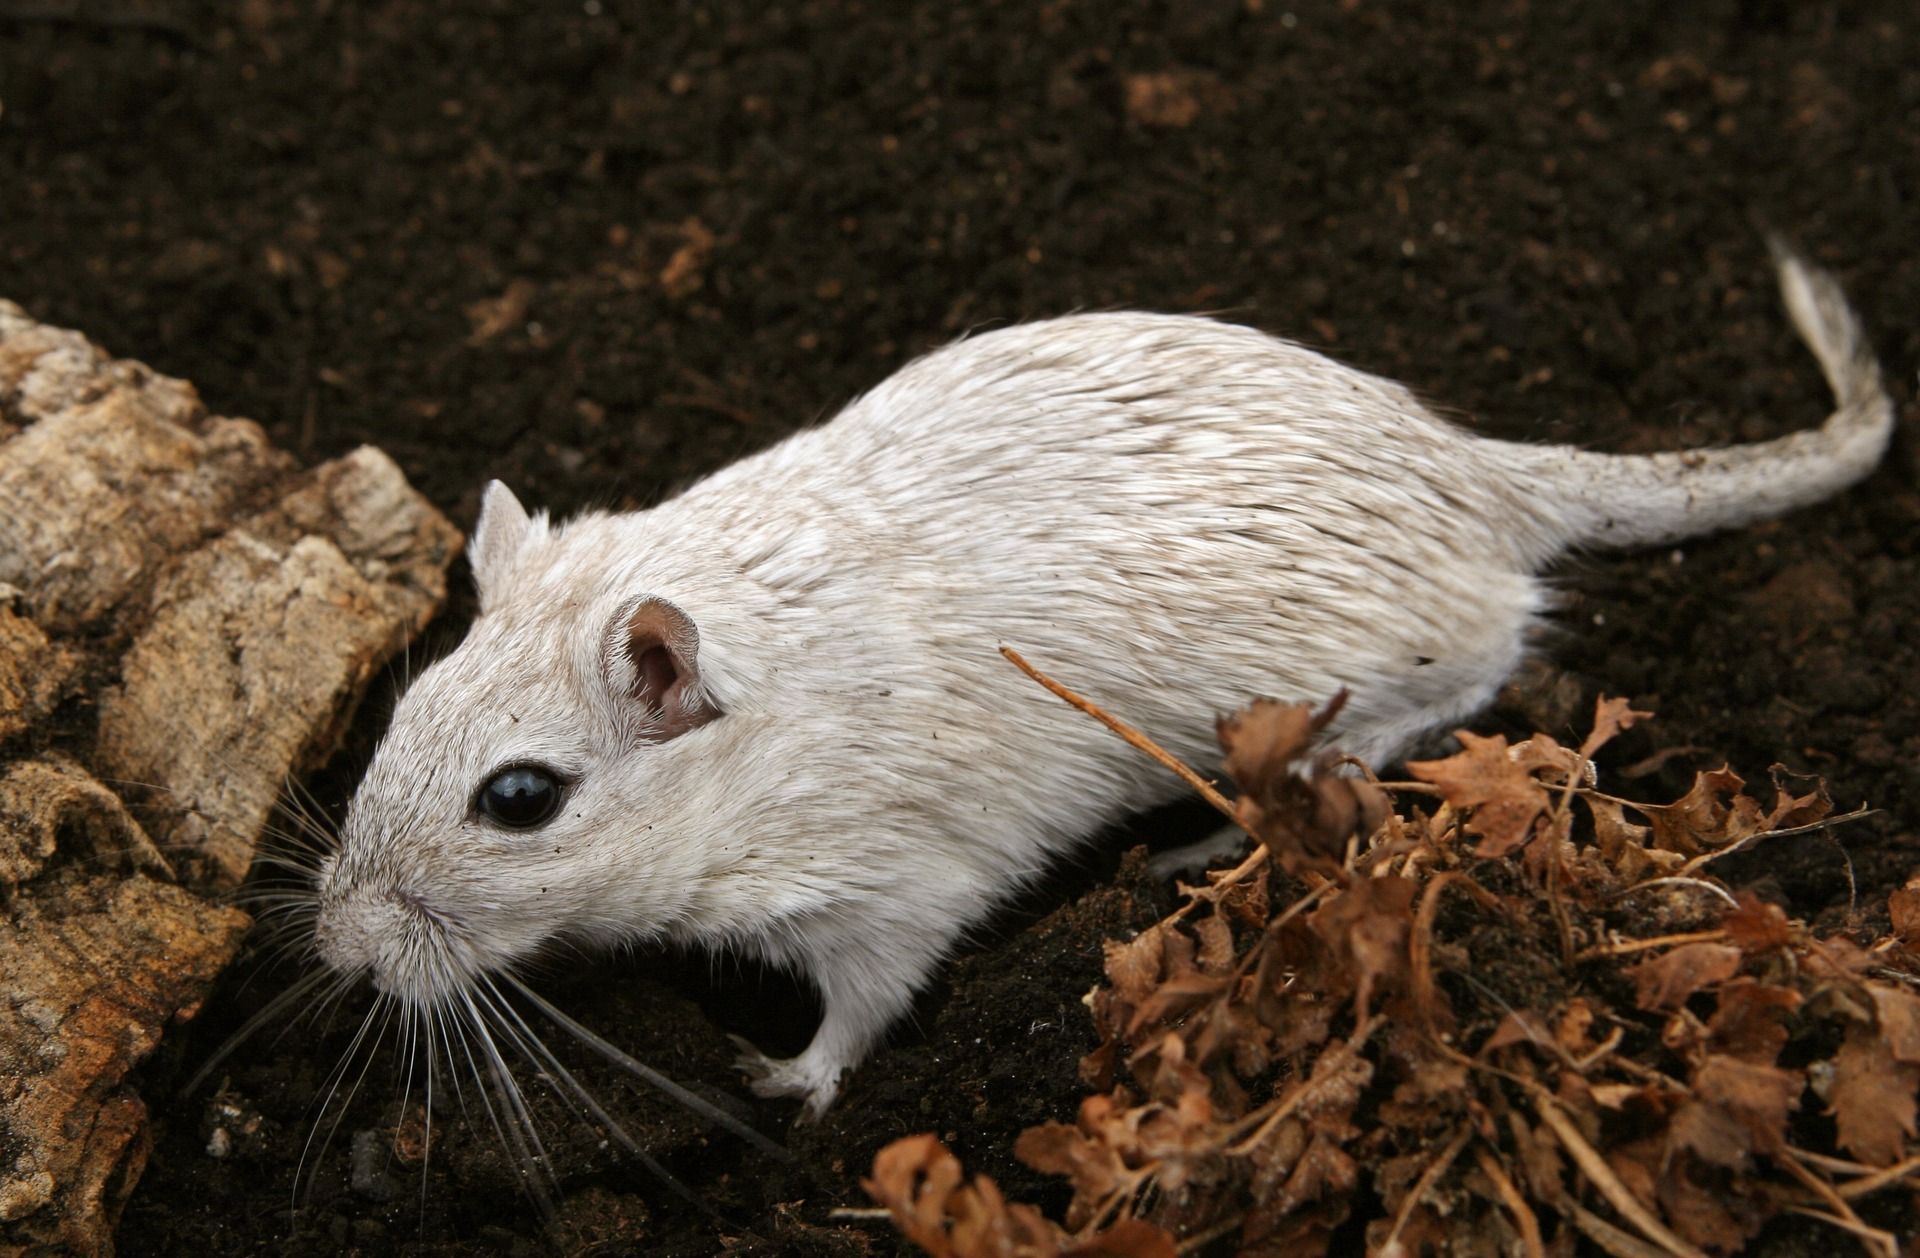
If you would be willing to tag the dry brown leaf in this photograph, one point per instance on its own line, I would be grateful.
(1093, 1167)
(1498, 786)
(918, 1182)
(1247, 899)
(1700, 821)
(1612, 832)
(1216, 945)
(1667, 981)
(1174, 998)
(1903, 906)
(912, 1178)
(1208, 1009)
(1872, 1098)
(1639, 1165)
(1711, 1217)
(1756, 1097)
(1898, 1012)
(1610, 717)
(1790, 810)
(1757, 926)
(1290, 799)
(1839, 957)
(1134, 967)
(1748, 1022)
(1366, 927)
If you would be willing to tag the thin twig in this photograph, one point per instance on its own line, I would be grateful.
(1412, 788)
(1879, 1244)
(1292, 1101)
(1420, 945)
(1871, 1179)
(1595, 1167)
(1810, 828)
(1616, 1241)
(1200, 1240)
(1428, 1178)
(1133, 736)
(1677, 881)
(1516, 1203)
(1622, 947)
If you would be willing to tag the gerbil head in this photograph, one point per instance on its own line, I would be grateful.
(514, 798)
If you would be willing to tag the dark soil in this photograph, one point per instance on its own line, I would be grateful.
(598, 250)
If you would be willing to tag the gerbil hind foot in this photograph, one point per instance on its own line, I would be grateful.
(815, 1082)
(862, 993)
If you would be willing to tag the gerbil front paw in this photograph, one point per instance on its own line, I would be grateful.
(809, 1080)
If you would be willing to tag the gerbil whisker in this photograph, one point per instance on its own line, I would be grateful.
(647, 1074)
(382, 1010)
(270, 1012)
(518, 1132)
(541, 1058)
(429, 1024)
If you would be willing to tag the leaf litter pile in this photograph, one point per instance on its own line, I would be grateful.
(1513, 1015)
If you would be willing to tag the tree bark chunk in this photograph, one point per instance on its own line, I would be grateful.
(184, 609)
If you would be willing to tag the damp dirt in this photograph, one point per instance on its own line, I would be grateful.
(599, 249)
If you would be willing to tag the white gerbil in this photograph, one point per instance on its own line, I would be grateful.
(771, 715)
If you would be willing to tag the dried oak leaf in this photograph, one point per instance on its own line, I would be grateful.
(1299, 988)
(1757, 926)
(1898, 1012)
(1246, 899)
(912, 1178)
(1700, 821)
(1328, 1096)
(1497, 782)
(1720, 1218)
(1174, 998)
(1667, 981)
(1324, 1170)
(1610, 717)
(1366, 927)
(1738, 1108)
(1748, 1023)
(1623, 845)
(1094, 1167)
(1790, 810)
(1216, 945)
(1290, 799)
(918, 1182)
(1133, 967)
(1872, 1097)
(1903, 906)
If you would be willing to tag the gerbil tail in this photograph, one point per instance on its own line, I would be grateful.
(1617, 500)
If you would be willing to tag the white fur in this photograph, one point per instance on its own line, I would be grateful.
(1169, 514)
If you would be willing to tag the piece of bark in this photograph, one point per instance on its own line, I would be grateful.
(182, 608)
(257, 647)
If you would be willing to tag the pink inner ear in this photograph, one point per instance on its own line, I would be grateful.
(657, 677)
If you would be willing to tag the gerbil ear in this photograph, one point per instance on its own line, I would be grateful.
(653, 656)
(497, 538)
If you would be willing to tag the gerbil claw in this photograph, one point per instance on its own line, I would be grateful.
(756, 1065)
(777, 1077)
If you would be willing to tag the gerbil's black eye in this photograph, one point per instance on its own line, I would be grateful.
(520, 797)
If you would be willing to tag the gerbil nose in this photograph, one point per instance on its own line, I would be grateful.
(415, 903)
